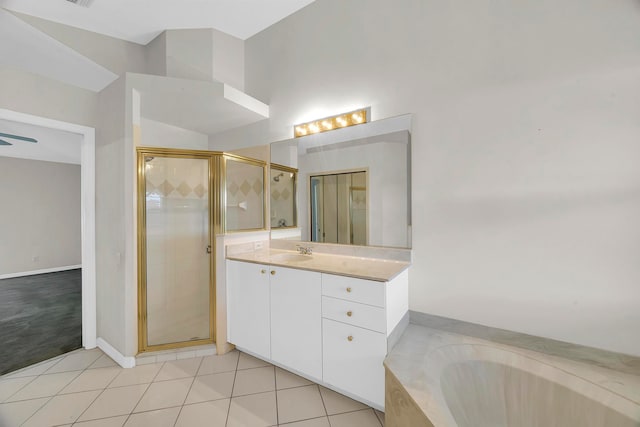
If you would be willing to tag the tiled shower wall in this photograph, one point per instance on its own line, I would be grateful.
(245, 199)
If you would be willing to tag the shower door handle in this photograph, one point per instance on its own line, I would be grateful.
(209, 249)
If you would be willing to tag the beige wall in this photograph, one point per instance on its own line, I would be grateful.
(39, 96)
(40, 215)
(526, 192)
(111, 248)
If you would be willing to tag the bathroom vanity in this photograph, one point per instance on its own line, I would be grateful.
(331, 318)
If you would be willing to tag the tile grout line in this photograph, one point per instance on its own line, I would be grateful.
(76, 377)
(142, 395)
(275, 385)
(41, 406)
(324, 405)
(99, 394)
(300, 421)
(189, 391)
(50, 398)
(15, 392)
(235, 374)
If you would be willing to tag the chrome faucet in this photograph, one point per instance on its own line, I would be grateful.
(304, 251)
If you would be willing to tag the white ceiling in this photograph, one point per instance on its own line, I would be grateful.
(140, 21)
(53, 145)
(36, 52)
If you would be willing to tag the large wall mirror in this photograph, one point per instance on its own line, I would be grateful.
(354, 183)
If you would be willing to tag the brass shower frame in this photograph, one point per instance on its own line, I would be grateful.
(217, 226)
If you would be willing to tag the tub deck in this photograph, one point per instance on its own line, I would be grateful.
(433, 376)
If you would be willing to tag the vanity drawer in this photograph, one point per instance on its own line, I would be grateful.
(354, 313)
(358, 290)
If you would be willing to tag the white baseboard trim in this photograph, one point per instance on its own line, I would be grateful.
(124, 361)
(43, 271)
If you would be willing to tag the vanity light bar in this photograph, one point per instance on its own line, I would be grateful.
(344, 120)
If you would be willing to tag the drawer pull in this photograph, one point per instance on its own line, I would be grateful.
(349, 313)
(263, 271)
(348, 289)
(273, 272)
(350, 338)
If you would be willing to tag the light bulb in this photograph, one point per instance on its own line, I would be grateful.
(327, 124)
(313, 127)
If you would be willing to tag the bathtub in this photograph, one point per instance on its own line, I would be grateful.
(467, 382)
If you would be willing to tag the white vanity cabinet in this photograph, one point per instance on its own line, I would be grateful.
(248, 308)
(333, 329)
(275, 312)
(296, 325)
(357, 318)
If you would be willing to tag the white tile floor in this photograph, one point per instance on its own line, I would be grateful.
(86, 388)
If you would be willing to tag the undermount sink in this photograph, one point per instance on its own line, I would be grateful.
(293, 257)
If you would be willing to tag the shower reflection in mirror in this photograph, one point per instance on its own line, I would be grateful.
(339, 208)
(283, 196)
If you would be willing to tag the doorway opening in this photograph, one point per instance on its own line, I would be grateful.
(86, 141)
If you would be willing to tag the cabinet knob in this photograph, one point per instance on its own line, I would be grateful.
(263, 271)
(349, 313)
(348, 289)
(273, 272)
(350, 338)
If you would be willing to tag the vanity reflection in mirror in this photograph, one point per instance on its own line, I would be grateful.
(354, 183)
(283, 196)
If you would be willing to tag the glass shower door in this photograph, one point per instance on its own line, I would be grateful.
(176, 290)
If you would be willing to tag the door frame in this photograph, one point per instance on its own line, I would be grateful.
(87, 216)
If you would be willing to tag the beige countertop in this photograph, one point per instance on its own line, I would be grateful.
(380, 270)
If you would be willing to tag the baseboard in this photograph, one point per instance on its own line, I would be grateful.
(43, 271)
(109, 350)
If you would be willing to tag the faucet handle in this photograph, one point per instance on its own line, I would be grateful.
(309, 250)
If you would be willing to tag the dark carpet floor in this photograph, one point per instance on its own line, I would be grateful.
(40, 317)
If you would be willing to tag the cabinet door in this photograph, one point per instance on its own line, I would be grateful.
(352, 359)
(248, 307)
(296, 320)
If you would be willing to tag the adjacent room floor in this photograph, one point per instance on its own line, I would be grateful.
(86, 388)
(40, 318)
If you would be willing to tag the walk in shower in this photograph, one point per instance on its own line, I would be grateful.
(182, 205)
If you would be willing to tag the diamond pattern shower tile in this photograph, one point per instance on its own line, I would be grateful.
(184, 189)
(199, 190)
(275, 195)
(286, 193)
(257, 186)
(233, 188)
(245, 187)
(166, 188)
